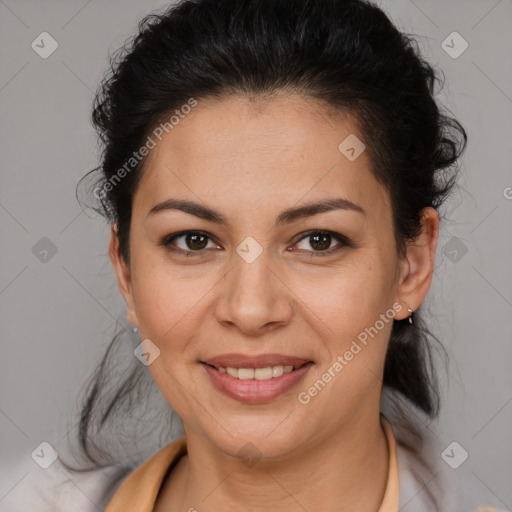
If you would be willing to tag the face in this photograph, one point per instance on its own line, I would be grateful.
(241, 284)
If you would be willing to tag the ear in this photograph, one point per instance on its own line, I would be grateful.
(123, 275)
(417, 267)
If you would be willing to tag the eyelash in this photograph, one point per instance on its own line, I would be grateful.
(343, 242)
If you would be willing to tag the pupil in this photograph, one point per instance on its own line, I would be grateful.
(320, 245)
(194, 239)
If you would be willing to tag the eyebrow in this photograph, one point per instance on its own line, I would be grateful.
(286, 217)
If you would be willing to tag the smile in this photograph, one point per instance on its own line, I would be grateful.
(269, 372)
(256, 385)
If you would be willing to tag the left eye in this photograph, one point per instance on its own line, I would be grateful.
(321, 241)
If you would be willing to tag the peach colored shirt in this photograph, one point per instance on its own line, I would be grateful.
(139, 490)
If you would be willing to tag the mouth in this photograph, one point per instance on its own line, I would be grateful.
(257, 379)
(261, 373)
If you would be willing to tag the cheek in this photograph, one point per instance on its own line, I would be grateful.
(354, 318)
(348, 300)
(165, 302)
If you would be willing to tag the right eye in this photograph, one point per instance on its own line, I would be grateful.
(192, 242)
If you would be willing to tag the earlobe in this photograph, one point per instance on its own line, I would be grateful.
(123, 276)
(418, 264)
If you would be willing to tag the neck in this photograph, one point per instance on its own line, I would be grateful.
(345, 471)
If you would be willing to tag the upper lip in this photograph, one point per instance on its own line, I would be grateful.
(256, 361)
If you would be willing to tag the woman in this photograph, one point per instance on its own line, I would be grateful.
(272, 172)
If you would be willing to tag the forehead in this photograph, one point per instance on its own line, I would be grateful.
(238, 153)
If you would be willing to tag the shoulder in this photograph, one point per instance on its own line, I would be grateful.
(140, 489)
(426, 482)
(56, 489)
(420, 486)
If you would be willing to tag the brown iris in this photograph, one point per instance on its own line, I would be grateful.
(320, 241)
(196, 241)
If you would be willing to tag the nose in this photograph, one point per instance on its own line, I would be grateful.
(253, 298)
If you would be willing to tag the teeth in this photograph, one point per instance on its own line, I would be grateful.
(266, 373)
(245, 373)
(277, 371)
(262, 373)
(233, 372)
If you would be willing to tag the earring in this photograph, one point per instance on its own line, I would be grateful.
(410, 315)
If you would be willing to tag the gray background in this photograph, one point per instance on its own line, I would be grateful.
(57, 316)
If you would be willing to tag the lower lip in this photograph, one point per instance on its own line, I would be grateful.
(254, 391)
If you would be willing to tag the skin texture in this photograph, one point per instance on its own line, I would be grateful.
(250, 159)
